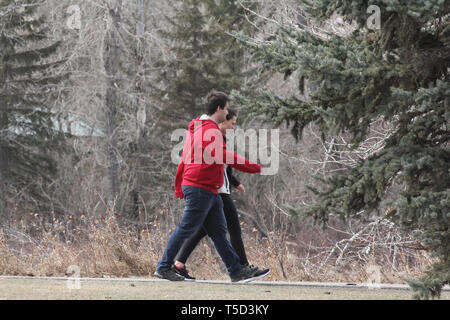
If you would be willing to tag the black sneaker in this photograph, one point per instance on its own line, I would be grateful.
(261, 273)
(258, 273)
(246, 275)
(170, 275)
(250, 267)
(183, 272)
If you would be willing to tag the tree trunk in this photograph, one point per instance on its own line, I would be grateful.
(3, 151)
(112, 63)
(3, 164)
(141, 115)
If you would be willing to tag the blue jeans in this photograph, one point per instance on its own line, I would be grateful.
(203, 209)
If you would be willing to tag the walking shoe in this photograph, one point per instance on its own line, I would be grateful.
(258, 273)
(246, 275)
(183, 272)
(250, 267)
(170, 275)
(261, 273)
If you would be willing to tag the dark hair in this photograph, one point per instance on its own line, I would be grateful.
(216, 99)
(231, 114)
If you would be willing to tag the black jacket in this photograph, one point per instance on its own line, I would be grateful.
(234, 182)
(232, 179)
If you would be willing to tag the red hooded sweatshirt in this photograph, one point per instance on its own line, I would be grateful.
(203, 157)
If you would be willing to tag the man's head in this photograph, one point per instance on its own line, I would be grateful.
(217, 105)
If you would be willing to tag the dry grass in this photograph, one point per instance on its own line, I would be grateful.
(104, 249)
(98, 249)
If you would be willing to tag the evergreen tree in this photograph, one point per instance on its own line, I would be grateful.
(207, 56)
(27, 135)
(398, 73)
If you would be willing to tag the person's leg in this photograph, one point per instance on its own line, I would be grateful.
(234, 227)
(216, 228)
(189, 245)
(198, 204)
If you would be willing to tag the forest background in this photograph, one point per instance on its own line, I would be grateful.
(92, 92)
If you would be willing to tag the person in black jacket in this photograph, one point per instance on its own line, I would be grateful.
(231, 216)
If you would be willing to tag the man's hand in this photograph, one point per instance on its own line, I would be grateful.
(240, 188)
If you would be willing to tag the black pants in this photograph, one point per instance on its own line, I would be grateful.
(234, 229)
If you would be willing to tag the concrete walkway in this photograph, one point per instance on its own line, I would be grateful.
(254, 283)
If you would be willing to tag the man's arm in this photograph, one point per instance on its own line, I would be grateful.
(179, 179)
(214, 136)
(180, 170)
(240, 163)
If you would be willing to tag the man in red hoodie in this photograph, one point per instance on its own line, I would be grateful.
(199, 175)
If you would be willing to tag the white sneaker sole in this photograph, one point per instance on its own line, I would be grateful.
(190, 280)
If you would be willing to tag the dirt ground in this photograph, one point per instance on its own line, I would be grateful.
(40, 289)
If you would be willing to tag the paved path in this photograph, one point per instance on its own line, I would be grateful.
(254, 283)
